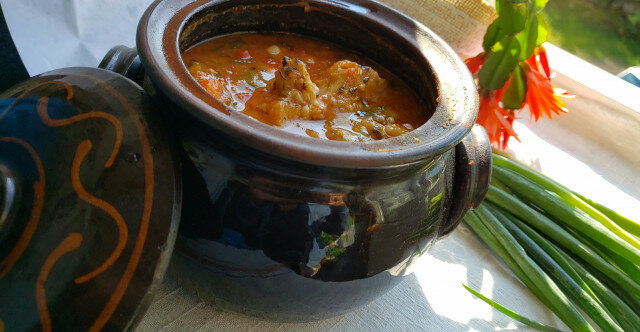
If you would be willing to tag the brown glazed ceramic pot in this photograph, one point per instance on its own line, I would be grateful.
(287, 227)
(272, 224)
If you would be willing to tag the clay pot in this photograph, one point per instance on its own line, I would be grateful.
(270, 223)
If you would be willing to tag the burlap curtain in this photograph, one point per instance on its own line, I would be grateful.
(462, 23)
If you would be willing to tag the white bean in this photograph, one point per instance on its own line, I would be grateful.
(273, 50)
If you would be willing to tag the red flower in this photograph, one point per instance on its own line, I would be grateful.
(541, 97)
(496, 120)
(476, 62)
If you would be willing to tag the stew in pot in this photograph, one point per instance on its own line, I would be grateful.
(305, 86)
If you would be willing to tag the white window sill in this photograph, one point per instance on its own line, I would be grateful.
(593, 77)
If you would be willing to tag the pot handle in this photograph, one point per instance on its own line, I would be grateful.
(471, 177)
(124, 61)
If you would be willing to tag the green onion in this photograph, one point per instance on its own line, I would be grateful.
(510, 313)
(558, 234)
(478, 227)
(631, 300)
(561, 305)
(568, 250)
(625, 315)
(614, 259)
(578, 295)
(549, 248)
(562, 212)
(629, 225)
(618, 224)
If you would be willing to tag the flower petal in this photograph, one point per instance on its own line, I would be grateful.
(544, 61)
(542, 98)
(496, 120)
(476, 62)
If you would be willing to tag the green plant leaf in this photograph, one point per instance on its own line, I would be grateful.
(513, 16)
(543, 30)
(529, 36)
(540, 4)
(515, 94)
(493, 34)
(500, 62)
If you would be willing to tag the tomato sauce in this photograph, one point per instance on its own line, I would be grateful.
(305, 86)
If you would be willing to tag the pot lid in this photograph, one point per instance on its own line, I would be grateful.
(89, 201)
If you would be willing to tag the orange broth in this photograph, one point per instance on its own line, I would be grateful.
(305, 86)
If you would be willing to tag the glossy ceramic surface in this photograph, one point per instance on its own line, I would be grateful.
(296, 243)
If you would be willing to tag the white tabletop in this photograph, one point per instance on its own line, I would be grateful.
(594, 149)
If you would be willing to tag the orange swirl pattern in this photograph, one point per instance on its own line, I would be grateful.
(81, 152)
(43, 112)
(71, 243)
(38, 200)
(74, 240)
(66, 85)
(147, 158)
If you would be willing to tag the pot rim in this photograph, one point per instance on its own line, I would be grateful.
(457, 103)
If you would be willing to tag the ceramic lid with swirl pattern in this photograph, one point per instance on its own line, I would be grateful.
(89, 202)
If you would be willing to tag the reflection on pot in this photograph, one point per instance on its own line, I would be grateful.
(260, 233)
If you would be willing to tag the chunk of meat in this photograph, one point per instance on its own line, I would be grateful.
(290, 95)
(353, 79)
(294, 83)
